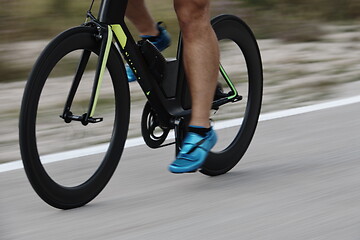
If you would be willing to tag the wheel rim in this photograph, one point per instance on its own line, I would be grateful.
(57, 140)
(231, 114)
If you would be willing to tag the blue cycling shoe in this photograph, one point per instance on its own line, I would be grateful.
(194, 152)
(161, 42)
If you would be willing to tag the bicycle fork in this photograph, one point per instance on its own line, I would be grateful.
(106, 37)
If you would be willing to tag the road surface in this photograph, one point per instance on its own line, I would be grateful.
(300, 179)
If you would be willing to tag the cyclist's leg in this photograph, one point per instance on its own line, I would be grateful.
(201, 56)
(140, 16)
(201, 61)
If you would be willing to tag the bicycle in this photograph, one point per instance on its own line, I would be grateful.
(98, 48)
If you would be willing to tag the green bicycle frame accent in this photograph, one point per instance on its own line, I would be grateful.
(229, 82)
(120, 34)
(102, 70)
(122, 39)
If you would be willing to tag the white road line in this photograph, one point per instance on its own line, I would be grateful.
(5, 167)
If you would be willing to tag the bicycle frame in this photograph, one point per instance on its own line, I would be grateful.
(171, 101)
(112, 26)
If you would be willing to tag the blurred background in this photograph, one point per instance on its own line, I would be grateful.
(310, 49)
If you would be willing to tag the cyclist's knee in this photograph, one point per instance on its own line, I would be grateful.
(191, 13)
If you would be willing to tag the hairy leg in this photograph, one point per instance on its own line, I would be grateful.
(201, 53)
(139, 15)
(201, 56)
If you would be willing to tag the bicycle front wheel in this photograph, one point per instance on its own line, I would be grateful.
(92, 151)
(241, 79)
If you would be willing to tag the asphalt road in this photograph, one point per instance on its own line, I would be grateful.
(300, 179)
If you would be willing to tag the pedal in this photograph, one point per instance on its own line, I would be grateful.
(221, 101)
(219, 92)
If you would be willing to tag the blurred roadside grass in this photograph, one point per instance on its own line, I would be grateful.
(332, 10)
(37, 19)
(289, 20)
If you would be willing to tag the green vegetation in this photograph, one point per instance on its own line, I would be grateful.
(36, 19)
(298, 20)
(329, 10)
(289, 20)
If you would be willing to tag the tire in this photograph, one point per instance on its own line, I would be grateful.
(240, 57)
(43, 134)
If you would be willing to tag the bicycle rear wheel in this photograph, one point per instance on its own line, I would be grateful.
(46, 138)
(236, 121)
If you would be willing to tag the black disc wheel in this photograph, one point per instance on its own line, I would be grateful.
(67, 159)
(240, 83)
